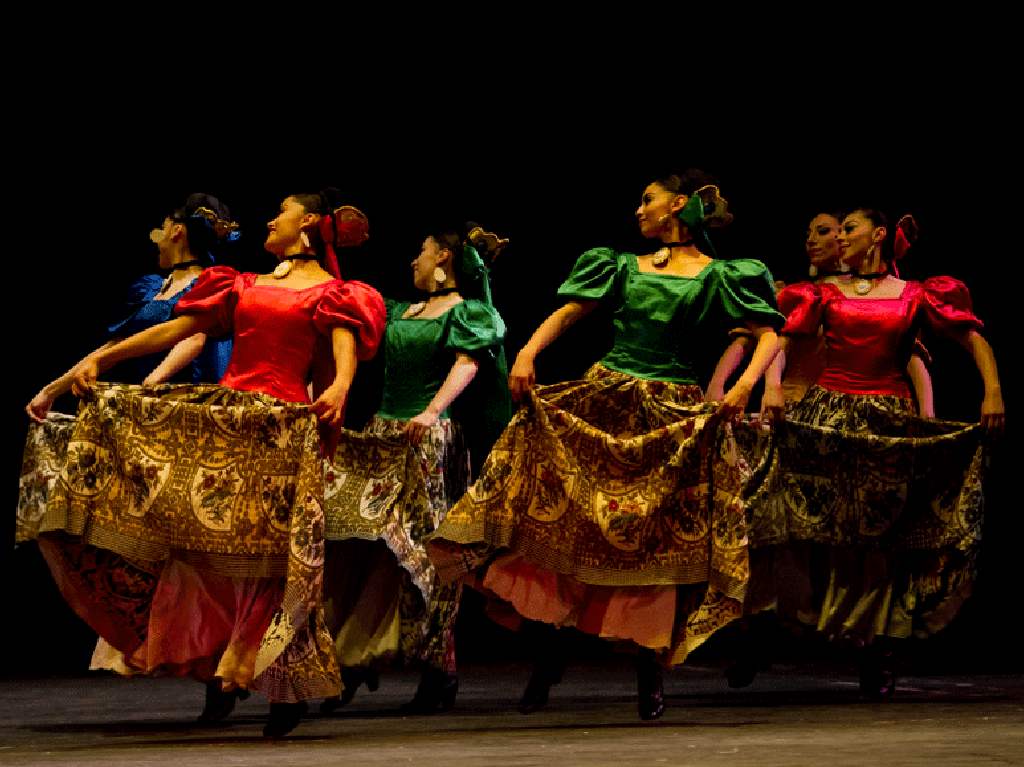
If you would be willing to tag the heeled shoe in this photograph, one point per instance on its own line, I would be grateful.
(535, 696)
(741, 673)
(650, 687)
(219, 704)
(284, 717)
(351, 679)
(877, 678)
(436, 693)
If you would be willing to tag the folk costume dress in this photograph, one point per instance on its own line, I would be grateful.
(186, 524)
(613, 503)
(868, 518)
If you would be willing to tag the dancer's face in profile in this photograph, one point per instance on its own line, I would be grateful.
(164, 237)
(856, 237)
(430, 257)
(284, 232)
(823, 241)
(657, 206)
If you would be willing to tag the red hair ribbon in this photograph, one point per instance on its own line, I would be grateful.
(344, 227)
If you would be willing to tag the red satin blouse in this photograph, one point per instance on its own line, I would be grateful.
(280, 333)
(868, 341)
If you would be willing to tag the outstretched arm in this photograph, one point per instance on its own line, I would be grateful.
(149, 341)
(181, 355)
(40, 405)
(523, 376)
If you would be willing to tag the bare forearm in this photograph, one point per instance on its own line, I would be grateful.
(181, 355)
(557, 323)
(152, 340)
(343, 345)
(458, 378)
(764, 353)
(985, 359)
(62, 385)
(731, 359)
(773, 375)
(921, 380)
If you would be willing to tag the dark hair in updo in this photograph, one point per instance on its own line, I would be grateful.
(207, 223)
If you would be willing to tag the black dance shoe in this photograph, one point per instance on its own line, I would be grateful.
(351, 679)
(284, 717)
(650, 688)
(545, 674)
(219, 704)
(877, 673)
(436, 693)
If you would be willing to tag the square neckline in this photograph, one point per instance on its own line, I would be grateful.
(900, 297)
(635, 262)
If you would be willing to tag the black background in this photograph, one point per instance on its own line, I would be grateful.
(555, 169)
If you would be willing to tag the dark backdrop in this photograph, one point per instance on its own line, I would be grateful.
(555, 180)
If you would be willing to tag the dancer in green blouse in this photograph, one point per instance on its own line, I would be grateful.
(392, 484)
(612, 504)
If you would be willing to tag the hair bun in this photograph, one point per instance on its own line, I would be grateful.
(907, 232)
(716, 208)
(487, 243)
(351, 226)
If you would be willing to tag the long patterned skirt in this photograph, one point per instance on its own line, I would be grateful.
(184, 524)
(383, 496)
(866, 520)
(612, 504)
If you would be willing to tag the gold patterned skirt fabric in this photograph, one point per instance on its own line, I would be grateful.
(872, 514)
(611, 482)
(225, 482)
(382, 491)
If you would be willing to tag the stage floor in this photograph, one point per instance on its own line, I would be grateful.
(790, 716)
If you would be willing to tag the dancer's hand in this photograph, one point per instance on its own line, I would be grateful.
(84, 376)
(735, 400)
(773, 405)
(417, 427)
(522, 377)
(40, 405)
(993, 413)
(330, 405)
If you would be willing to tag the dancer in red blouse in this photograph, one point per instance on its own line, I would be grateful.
(287, 327)
(900, 543)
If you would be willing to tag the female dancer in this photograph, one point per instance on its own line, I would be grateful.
(899, 527)
(229, 569)
(610, 504)
(391, 485)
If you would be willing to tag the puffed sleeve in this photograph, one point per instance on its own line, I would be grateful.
(394, 309)
(356, 306)
(141, 291)
(802, 305)
(214, 294)
(475, 328)
(947, 306)
(745, 292)
(593, 277)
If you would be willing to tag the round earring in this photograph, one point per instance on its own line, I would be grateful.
(304, 238)
(439, 275)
